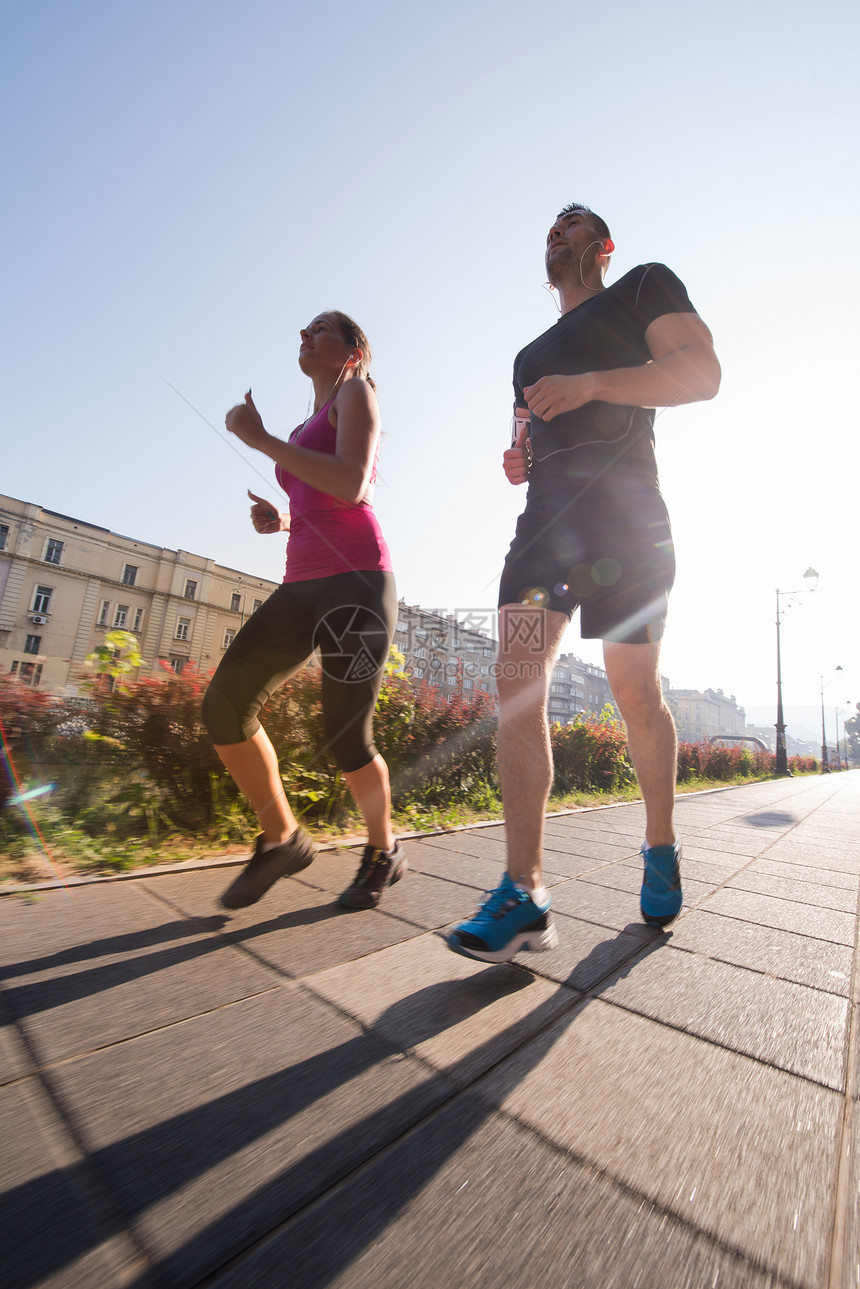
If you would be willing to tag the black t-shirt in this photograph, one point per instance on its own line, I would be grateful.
(600, 440)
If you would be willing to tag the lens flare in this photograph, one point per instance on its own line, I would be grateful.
(582, 582)
(20, 797)
(23, 798)
(606, 572)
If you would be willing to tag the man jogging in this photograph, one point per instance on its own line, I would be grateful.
(595, 535)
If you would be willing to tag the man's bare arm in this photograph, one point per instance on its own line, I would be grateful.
(683, 369)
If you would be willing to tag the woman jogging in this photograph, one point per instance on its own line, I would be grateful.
(338, 596)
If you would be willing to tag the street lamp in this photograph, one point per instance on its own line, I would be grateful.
(810, 577)
(841, 753)
(825, 764)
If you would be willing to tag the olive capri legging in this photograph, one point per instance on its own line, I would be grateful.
(350, 618)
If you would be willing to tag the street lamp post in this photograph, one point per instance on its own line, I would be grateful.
(825, 761)
(846, 717)
(811, 578)
(840, 759)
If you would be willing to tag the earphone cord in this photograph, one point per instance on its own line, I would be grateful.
(548, 286)
(322, 537)
(310, 414)
(595, 289)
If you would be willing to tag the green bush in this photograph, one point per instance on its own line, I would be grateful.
(438, 750)
(30, 722)
(727, 764)
(133, 762)
(590, 754)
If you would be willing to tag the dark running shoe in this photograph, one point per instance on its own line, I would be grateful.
(661, 897)
(265, 868)
(378, 869)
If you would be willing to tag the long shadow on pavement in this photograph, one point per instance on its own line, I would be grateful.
(42, 995)
(281, 1198)
(146, 1167)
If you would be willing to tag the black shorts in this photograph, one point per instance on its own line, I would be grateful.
(350, 618)
(613, 558)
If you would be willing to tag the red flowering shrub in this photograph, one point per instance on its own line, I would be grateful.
(147, 737)
(690, 761)
(725, 764)
(30, 720)
(156, 722)
(589, 754)
(441, 749)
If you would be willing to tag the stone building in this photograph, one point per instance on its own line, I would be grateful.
(457, 655)
(65, 582)
(704, 714)
(444, 651)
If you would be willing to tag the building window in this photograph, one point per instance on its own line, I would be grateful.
(32, 644)
(229, 637)
(138, 619)
(54, 551)
(129, 575)
(29, 673)
(177, 664)
(103, 614)
(183, 626)
(258, 604)
(235, 602)
(42, 599)
(4, 535)
(120, 617)
(190, 590)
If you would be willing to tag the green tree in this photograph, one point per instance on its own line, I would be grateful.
(117, 658)
(852, 733)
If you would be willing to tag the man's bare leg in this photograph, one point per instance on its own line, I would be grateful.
(633, 671)
(529, 640)
(512, 919)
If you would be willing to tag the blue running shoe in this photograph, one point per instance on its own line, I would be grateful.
(507, 921)
(661, 897)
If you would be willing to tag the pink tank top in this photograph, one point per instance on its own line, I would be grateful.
(328, 536)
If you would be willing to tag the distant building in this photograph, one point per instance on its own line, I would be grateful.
(452, 653)
(577, 688)
(445, 652)
(567, 690)
(767, 734)
(65, 582)
(704, 714)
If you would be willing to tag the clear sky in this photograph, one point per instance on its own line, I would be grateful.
(188, 183)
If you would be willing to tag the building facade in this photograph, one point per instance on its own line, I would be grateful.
(456, 658)
(701, 715)
(444, 652)
(64, 583)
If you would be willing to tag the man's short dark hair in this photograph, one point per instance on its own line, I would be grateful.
(600, 225)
